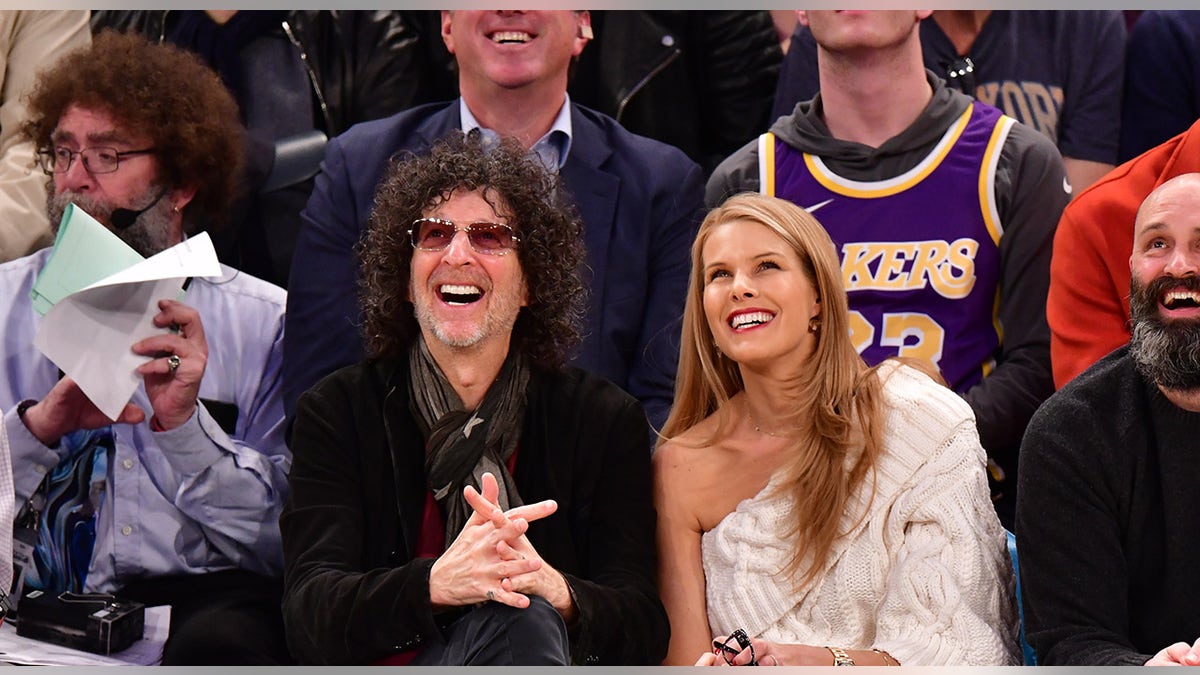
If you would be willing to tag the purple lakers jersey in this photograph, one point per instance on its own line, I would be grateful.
(920, 251)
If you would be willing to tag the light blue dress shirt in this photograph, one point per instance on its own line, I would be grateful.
(552, 148)
(192, 499)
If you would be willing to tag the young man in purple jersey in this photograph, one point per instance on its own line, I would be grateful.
(943, 211)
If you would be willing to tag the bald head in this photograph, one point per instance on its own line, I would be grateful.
(1176, 197)
(1167, 225)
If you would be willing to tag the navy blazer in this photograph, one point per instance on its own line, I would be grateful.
(640, 200)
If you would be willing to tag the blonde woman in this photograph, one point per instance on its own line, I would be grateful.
(812, 510)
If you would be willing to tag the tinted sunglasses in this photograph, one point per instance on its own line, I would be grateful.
(435, 234)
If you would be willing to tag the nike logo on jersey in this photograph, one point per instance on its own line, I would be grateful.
(814, 207)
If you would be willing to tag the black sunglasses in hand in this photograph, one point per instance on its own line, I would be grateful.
(735, 644)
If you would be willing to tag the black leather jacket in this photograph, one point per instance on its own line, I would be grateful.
(702, 81)
(362, 65)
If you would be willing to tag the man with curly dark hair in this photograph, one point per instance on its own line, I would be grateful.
(177, 500)
(193, 131)
(473, 297)
(551, 251)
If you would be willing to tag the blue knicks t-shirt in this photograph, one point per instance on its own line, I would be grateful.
(920, 251)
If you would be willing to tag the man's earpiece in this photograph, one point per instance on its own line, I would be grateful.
(585, 32)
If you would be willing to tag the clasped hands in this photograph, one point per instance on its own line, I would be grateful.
(492, 559)
(171, 377)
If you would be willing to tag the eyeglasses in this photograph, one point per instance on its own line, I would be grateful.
(96, 159)
(737, 642)
(960, 74)
(435, 234)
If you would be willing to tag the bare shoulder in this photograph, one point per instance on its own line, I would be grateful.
(689, 449)
(682, 466)
(702, 474)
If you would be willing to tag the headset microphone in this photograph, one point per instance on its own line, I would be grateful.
(124, 218)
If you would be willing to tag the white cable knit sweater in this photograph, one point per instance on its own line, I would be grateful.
(926, 576)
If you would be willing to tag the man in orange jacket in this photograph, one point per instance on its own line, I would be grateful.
(1088, 303)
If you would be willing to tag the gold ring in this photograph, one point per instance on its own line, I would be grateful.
(173, 363)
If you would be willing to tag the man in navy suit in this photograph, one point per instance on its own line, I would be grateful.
(640, 201)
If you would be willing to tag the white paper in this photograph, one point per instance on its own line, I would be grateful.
(89, 334)
(145, 652)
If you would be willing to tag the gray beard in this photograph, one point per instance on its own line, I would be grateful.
(149, 234)
(1165, 352)
(425, 318)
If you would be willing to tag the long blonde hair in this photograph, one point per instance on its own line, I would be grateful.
(837, 395)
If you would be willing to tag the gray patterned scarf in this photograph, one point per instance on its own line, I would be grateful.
(461, 445)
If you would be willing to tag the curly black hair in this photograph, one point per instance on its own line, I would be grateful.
(159, 90)
(551, 252)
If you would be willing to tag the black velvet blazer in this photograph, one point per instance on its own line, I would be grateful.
(353, 592)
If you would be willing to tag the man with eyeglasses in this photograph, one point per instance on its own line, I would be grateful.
(177, 500)
(639, 200)
(943, 210)
(461, 497)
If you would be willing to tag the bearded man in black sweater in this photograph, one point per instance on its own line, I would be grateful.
(1109, 488)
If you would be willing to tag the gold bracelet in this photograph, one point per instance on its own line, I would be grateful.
(888, 659)
(840, 657)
